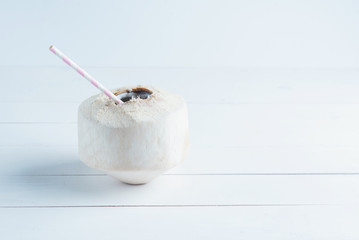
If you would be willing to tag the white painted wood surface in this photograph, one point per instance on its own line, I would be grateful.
(274, 154)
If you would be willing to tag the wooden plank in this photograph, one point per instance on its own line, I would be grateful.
(56, 160)
(181, 223)
(227, 125)
(197, 85)
(263, 138)
(66, 112)
(178, 190)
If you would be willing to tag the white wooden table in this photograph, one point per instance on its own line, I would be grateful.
(274, 155)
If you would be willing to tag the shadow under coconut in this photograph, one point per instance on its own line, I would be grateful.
(64, 183)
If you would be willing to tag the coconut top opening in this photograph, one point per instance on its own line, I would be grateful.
(156, 107)
(127, 95)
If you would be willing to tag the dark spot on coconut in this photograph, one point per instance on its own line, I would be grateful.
(141, 93)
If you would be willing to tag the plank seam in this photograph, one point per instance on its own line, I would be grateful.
(196, 174)
(168, 205)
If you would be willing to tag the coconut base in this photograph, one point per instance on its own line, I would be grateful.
(134, 177)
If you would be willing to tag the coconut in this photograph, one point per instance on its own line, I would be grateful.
(135, 141)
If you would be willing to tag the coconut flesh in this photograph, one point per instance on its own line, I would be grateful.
(135, 141)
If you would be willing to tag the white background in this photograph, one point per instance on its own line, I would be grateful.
(272, 92)
(256, 33)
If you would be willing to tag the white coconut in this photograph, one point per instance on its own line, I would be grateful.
(135, 141)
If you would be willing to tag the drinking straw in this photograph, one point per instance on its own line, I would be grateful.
(83, 73)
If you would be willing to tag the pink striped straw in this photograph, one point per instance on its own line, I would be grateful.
(83, 73)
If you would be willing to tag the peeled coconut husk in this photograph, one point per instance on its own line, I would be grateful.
(135, 141)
